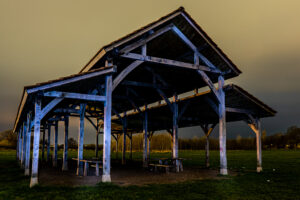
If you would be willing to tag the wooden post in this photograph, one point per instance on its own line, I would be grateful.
(97, 139)
(207, 131)
(145, 160)
(48, 143)
(131, 146)
(175, 132)
(36, 143)
(28, 141)
(256, 127)
(23, 145)
(222, 128)
(149, 148)
(19, 144)
(65, 154)
(80, 140)
(117, 146)
(43, 144)
(107, 129)
(54, 159)
(124, 139)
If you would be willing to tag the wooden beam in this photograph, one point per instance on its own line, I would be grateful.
(183, 109)
(36, 144)
(212, 105)
(145, 133)
(70, 95)
(239, 110)
(210, 84)
(256, 127)
(67, 110)
(50, 106)
(168, 62)
(125, 72)
(80, 139)
(24, 144)
(72, 80)
(164, 97)
(93, 124)
(175, 132)
(142, 84)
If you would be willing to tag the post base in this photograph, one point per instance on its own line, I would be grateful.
(223, 172)
(27, 172)
(259, 169)
(33, 181)
(106, 178)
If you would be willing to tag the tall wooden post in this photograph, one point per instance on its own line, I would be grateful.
(28, 141)
(54, 159)
(175, 132)
(117, 146)
(19, 144)
(80, 140)
(124, 139)
(97, 139)
(149, 148)
(107, 129)
(36, 143)
(43, 144)
(222, 128)
(145, 160)
(131, 146)
(23, 145)
(48, 143)
(256, 127)
(65, 154)
(207, 131)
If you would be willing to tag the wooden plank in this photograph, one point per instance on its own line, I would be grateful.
(125, 72)
(65, 152)
(50, 106)
(36, 144)
(143, 41)
(80, 139)
(71, 80)
(168, 62)
(107, 130)
(70, 95)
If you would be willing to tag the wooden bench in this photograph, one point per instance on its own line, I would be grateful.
(157, 166)
(86, 166)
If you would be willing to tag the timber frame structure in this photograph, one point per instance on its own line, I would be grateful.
(140, 83)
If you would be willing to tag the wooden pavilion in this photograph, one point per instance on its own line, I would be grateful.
(139, 84)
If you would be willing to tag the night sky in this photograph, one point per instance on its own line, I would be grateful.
(41, 40)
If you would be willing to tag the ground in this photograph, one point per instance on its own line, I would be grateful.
(279, 180)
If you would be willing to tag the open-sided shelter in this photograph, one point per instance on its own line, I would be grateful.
(158, 62)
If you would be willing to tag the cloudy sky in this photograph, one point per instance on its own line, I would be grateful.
(45, 40)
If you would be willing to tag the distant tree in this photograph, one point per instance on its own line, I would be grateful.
(72, 143)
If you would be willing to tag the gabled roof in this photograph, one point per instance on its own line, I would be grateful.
(180, 16)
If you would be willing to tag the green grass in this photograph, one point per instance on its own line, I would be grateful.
(283, 183)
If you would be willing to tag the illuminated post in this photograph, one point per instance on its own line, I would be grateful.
(65, 153)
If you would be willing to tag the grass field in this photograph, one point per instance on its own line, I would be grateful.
(279, 180)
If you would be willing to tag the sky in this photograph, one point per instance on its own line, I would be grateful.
(44, 40)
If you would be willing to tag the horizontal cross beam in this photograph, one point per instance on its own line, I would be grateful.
(141, 84)
(70, 95)
(165, 61)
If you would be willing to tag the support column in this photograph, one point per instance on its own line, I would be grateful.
(97, 139)
(28, 141)
(222, 128)
(124, 139)
(207, 131)
(19, 145)
(80, 140)
(23, 145)
(145, 160)
(48, 143)
(175, 132)
(256, 127)
(36, 144)
(65, 154)
(107, 129)
(149, 148)
(117, 146)
(54, 159)
(43, 144)
(131, 146)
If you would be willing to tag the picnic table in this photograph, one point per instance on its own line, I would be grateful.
(87, 163)
(168, 163)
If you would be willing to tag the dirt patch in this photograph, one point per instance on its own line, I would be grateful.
(130, 174)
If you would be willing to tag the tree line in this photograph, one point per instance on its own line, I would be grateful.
(163, 142)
